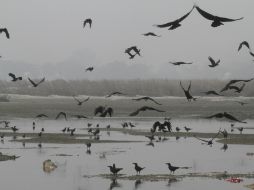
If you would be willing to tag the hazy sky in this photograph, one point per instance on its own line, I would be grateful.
(47, 39)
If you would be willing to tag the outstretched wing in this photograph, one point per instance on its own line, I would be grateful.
(211, 60)
(186, 15)
(42, 80)
(222, 19)
(63, 114)
(32, 82)
(12, 75)
(151, 108)
(76, 99)
(242, 44)
(85, 100)
(154, 101)
(201, 139)
(205, 14)
(229, 116)
(215, 136)
(6, 32)
(218, 115)
(135, 112)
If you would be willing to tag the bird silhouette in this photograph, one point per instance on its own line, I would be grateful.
(146, 98)
(151, 34)
(133, 49)
(114, 94)
(6, 123)
(213, 62)
(41, 115)
(87, 21)
(180, 63)
(241, 103)
(99, 109)
(212, 92)
(5, 31)
(14, 129)
(187, 92)
(226, 115)
(226, 87)
(176, 23)
(208, 142)
(138, 168)
(172, 168)
(81, 102)
(78, 116)
(62, 114)
(236, 88)
(217, 21)
(114, 169)
(34, 83)
(187, 129)
(224, 147)
(244, 43)
(108, 111)
(14, 78)
(89, 69)
(144, 108)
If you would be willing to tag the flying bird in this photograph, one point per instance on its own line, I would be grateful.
(180, 63)
(62, 114)
(114, 94)
(217, 21)
(233, 82)
(151, 34)
(133, 49)
(41, 115)
(5, 31)
(187, 92)
(210, 141)
(144, 108)
(241, 103)
(226, 115)
(212, 92)
(36, 84)
(236, 88)
(14, 78)
(80, 116)
(109, 111)
(213, 62)
(176, 23)
(81, 102)
(89, 69)
(146, 98)
(244, 43)
(87, 21)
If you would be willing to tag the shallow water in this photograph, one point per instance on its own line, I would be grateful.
(27, 170)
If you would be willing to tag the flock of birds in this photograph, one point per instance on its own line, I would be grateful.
(104, 111)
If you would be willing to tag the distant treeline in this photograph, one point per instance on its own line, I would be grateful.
(151, 87)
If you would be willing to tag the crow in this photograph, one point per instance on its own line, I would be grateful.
(63, 114)
(226, 115)
(213, 63)
(114, 169)
(114, 94)
(151, 34)
(81, 102)
(5, 31)
(146, 98)
(138, 168)
(233, 82)
(187, 92)
(174, 168)
(210, 141)
(99, 109)
(14, 78)
(180, 63)
(144, 108)
(87, 21)
(244, 43)
(176, 23)
(36, 84)
(212, 92)
(89, 69)
(217, 21)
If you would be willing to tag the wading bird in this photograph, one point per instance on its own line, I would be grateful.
(138, 168)
(217, 21)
